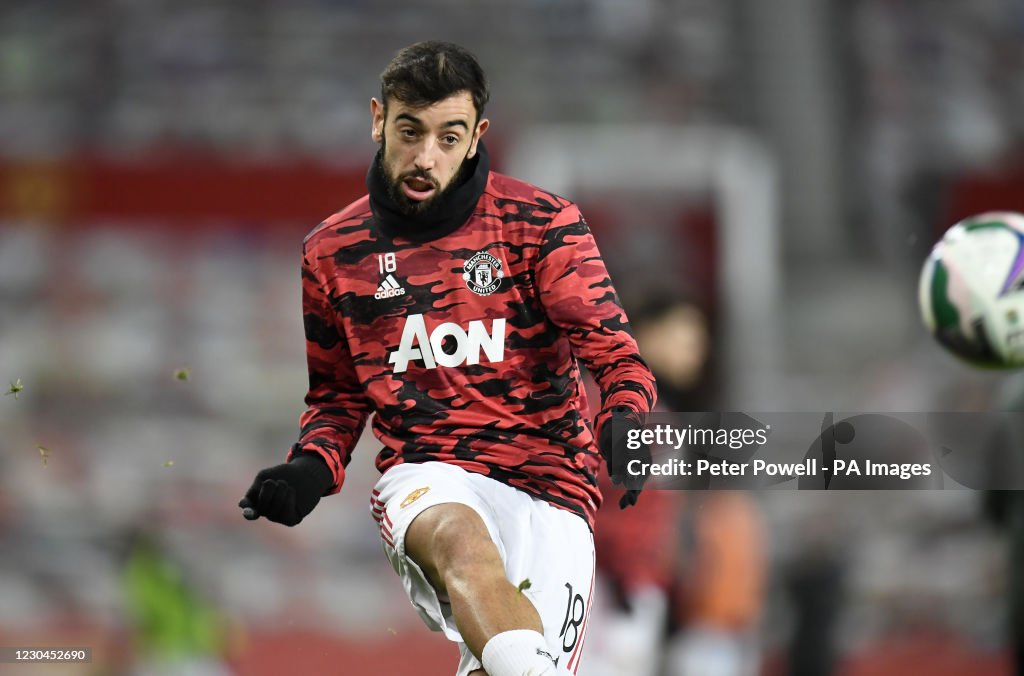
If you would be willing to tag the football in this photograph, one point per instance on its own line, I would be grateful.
(971, 290)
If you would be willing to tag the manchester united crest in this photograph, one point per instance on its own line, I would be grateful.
(483, 273)
(414, 496)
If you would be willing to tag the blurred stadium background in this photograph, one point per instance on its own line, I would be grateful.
(785, 164)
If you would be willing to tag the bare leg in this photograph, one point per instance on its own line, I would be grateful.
(450, 543)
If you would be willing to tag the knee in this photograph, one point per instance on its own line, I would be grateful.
(460, 539)
(451, 540)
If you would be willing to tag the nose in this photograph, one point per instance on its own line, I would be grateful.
(426, 155)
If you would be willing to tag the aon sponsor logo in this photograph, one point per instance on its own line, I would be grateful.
(448, 344)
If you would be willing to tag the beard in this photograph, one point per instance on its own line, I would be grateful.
(411, 207)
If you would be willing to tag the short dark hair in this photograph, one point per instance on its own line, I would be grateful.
(431, 71)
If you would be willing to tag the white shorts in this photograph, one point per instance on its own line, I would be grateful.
(550, 547)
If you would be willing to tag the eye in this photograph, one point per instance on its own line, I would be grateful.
(407, 133)
(450, 139)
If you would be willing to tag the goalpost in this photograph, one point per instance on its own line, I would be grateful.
(730, 165)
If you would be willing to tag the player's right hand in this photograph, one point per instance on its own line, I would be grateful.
(288, 492)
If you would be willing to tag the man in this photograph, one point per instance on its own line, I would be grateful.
(453, 302)
(682, 575)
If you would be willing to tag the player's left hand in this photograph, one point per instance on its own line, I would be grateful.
(629, 498)
(617, 454)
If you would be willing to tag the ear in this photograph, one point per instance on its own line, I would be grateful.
(481, 129)
(377, 120)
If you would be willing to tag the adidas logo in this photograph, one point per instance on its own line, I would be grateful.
(389, 288)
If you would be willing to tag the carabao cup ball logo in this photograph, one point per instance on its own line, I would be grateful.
(483, 273)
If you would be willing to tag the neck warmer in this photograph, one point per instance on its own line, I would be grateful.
(447, 215)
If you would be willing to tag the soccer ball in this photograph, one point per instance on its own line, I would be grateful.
(972, 290)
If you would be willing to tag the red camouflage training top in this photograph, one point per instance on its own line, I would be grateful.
(464, 346)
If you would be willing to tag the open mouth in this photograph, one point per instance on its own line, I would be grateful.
(417, 188)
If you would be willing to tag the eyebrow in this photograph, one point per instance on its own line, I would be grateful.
(418, 122)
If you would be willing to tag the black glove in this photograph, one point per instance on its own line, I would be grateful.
(612, 444)
(287, 493)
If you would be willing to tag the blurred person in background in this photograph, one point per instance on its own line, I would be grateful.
(684, 572)
(453, 302)
(1005, 508)
(175, 629)
(637, 563)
